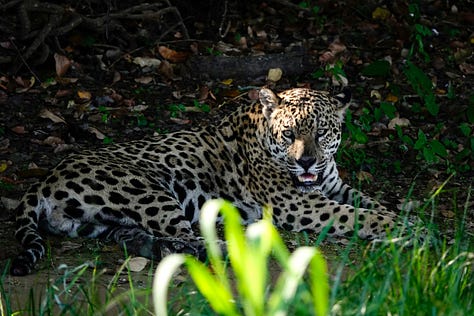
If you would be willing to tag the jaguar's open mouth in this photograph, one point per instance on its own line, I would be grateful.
(307, 179)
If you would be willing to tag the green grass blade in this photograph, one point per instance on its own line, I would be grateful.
(209, 215)
(288, 282)
(164, 272)
(216, 293)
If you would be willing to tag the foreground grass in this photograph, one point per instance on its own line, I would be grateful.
(365, 279)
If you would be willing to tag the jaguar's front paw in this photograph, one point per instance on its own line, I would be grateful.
(409, 231)
(166, 246)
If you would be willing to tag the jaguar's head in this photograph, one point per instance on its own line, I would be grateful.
(303, 131)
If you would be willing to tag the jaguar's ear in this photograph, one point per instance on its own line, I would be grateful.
(344, 99)
(269, 101)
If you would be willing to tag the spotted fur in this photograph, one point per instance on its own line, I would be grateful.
(146, 194)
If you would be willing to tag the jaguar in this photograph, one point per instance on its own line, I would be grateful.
(146, 195)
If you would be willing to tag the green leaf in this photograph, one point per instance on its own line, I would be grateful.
(463, 154)
(423, 86)
(378, 114)
(407, 140)
(318, 73)
(421, 141)
(360, 137)
(303, 4)
(141, 120)
(379, 68)
(423, 30)
(465, 129)
(389, 109)
(438, 148)
(316, 9)
(202, 106)
(107, 140)
(429, 155)
(470, 110)
(431, 105)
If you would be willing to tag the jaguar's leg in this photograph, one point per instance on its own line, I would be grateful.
(160, 226)
(335, 189)
(342, 219)
(137, 241)
(345, 194)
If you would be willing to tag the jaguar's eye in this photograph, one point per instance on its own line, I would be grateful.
(321, 131)
(288, 133)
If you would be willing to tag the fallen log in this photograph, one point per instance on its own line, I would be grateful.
(249, 67)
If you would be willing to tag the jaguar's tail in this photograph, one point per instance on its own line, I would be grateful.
(28, 235)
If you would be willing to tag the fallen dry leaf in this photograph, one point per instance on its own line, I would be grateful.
(62, 64)
(47, 114)
(337, 47)
(166, 70)
(177, 94)
(96, 132)
(84, 95)
(375, 94)
(139, 108)
(137, 264)
(364, 176)
(7, 203)
(398, 121)
(448, 213)
(380, 14)
(466, 68)
(144, 79)
(4, 165)
(253, 94)
(62, 147)
(179, 121)
(172, 55)
(117, 77)
(147, 61)
(128, 103)
(274, 74)
(26, 84)
(53, 141)
(203, 93)
(63, 93)
(63, 80)
(226, 47)
(327, 57)
(227, 82)
(391, 98)
(19, 129)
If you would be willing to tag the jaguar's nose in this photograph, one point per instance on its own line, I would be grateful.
(306, 162)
